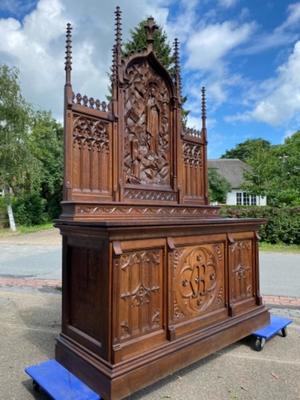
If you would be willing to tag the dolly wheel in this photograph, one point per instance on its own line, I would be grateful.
(284, 331)
(259, 344)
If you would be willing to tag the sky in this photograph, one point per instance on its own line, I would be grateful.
(246, 53)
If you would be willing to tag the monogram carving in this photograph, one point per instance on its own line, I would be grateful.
(192, 154)
(196, 283)
(241, 261)
(91, 133)
(140, 295)
(147, 130)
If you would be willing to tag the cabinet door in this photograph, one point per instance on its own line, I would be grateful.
(242, 271)
(139, 294)
(198, 284)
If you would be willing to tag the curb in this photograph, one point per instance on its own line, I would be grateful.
(33, 283)
(283, 301)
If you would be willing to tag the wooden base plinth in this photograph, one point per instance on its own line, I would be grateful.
(117, 381)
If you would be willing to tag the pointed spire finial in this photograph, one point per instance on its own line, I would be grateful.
(68, 58)
(118, 28)
(114, 67)
(203, 112)
(150, 27)
(177, 67)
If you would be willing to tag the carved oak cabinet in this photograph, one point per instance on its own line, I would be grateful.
(153, 278)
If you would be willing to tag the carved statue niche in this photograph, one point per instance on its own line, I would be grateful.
(147, 127)
(153, 122)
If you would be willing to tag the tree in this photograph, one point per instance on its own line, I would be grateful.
(138, 42)
(162, 49)
(18, 168)
(275, 169)
(244, 151)
(218, 186)
(46, 144)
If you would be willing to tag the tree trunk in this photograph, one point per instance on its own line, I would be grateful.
(11, 218)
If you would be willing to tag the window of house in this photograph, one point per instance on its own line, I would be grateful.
(238, 199)
(246, 199)
(253, 200)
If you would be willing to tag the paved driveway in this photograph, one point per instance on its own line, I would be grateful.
(280, 274)
(38, 256)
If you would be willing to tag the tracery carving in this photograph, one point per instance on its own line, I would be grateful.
(241, 261)
(92, 133)
(140, 296)
(192, 154)
(147, 130)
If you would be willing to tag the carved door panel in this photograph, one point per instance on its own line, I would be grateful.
(138, 303)
(242, 271)
(198, 295)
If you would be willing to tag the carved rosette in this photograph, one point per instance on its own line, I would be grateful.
(90, 133)
(147, 127)
(196, 284)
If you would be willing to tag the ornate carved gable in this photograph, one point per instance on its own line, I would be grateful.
(147, 133)
(135, 150)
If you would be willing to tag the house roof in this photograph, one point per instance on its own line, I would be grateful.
(232, 169)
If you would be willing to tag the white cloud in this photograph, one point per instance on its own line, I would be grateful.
(280, 98)
(208, 46)
(293, 15)
(282, 35)
(16, 7)
(36, 46)
(227, 3)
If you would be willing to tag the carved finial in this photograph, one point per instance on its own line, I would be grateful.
(203, 112)
(150, 27)
(177, 67)
(118, 29)
(68, 62)
(114, 67)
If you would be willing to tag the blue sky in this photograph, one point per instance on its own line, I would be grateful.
(246, 52)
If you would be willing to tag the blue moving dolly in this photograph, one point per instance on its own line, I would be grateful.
(58, 382)
(276, 324)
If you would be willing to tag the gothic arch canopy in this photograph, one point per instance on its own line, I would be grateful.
(147, 122)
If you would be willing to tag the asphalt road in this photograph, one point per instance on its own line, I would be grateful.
(280, 272)
(31, 321)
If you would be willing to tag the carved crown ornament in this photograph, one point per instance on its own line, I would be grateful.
(135, 148)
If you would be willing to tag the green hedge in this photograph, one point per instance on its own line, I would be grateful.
(29, 209)
(283, 223)
(3, 214)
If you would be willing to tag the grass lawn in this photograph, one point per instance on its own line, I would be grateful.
(279, 247)
(25, 229)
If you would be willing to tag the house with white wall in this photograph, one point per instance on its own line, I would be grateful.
(233, 169)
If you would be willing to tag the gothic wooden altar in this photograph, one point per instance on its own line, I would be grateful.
(153, 278)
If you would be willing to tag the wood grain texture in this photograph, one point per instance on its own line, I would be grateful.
(153, 278)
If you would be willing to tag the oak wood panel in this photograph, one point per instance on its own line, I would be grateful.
(153, 278)
(139, 271)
